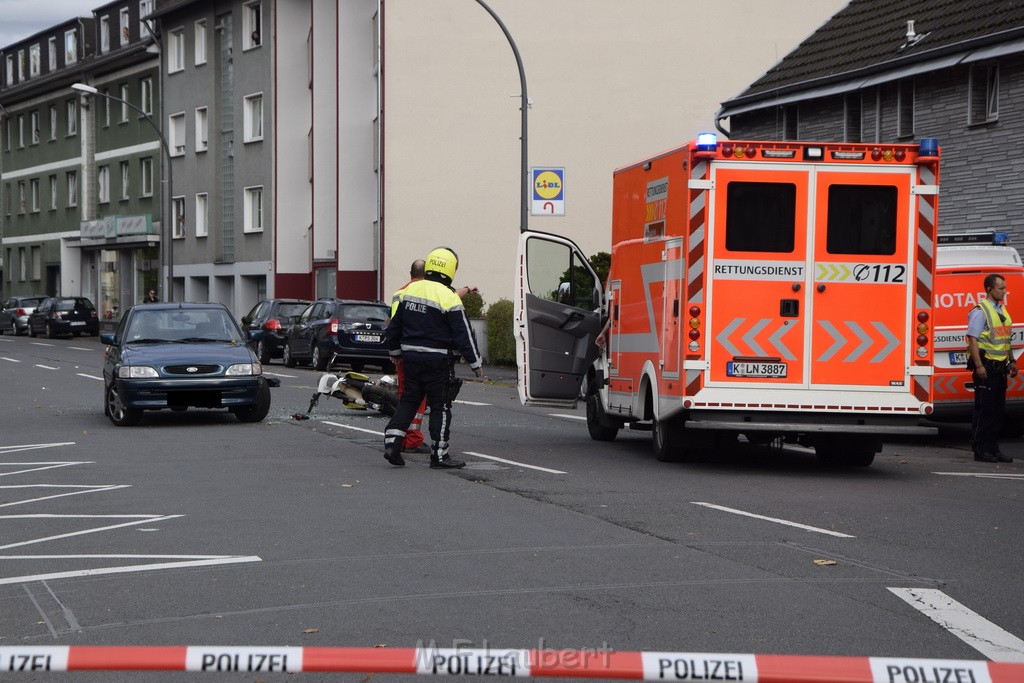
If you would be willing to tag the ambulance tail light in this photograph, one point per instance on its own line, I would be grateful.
(922, 334)
(695, 325)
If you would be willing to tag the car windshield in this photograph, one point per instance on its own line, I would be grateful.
(174, 325)
(72, 304)
(365, 312)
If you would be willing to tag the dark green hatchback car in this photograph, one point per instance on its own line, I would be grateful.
(178, 356)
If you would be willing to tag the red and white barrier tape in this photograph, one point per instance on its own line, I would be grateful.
(651, 666)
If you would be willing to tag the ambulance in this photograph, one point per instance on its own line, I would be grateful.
(782, 291)
(963, 260)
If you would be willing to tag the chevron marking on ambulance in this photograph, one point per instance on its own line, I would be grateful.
(723, 336)
(832, 272)
(840, 340)
(749, 338)
(945, 384)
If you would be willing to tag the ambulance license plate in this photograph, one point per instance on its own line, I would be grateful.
(958, 358)
(747, 369)
(368, 338)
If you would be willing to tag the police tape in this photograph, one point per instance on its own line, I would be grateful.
(464, 661)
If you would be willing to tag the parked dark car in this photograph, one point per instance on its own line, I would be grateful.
(354, 330)
(180, 356)
(15, 312)
(59, 315)
(274, 317)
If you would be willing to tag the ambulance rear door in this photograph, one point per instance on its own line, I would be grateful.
(557, 315)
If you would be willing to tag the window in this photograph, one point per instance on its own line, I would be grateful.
(201, 129)
(251, 26)
(202, 210)
(147, 95)
(905, 108)
(253, 118)
(33, 191)
(51, 49)
(7, 133)
(36, 254)
(103, 184)
(21, 196)
(984, 89)
(176, 133)
(21, 65)
(124, 180)
(34, 127)
(21, 130)
(72, 121)
(145, 7)
(104, 34)
(53, 192)
(176, 51)
(861, 220)
(123, 24)
(760, 217)
(9, 61)
(34, 66)
(7, 197)
(178, 211)
(124, 107)
(70, 47)
(200, 47)
(146, 171)
(72, 179)
(53, 121)
(106, 108)
(253, 210)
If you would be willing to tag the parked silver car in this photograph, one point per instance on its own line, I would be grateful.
(15, 312)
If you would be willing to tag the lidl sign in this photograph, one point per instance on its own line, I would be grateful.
(548, 191)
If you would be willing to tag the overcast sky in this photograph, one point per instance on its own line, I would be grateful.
(23, 18)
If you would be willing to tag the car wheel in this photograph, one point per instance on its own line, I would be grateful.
(318, 359)
(119, 414)
(596, 422)
(288, 358)
(14, 329)
(384, 400)
(257, 411)
(261, 352)
(31, 330)
(50, 334)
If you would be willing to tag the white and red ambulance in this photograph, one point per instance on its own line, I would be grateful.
(779, 290)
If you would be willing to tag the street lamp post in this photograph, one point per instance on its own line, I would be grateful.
(524, 185)
(167, 240)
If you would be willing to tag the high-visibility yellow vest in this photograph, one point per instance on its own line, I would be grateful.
(995, 338)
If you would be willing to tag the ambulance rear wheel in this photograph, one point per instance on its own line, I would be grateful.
(666, 441)
(848, 452)
(596, 421)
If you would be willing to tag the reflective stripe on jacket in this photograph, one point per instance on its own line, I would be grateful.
(429, 322)
(994, 341)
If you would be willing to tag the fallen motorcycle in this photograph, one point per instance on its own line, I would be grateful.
(357, 392)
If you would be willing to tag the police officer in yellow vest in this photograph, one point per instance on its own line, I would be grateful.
(989, 333)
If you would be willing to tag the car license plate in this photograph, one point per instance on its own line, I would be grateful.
(375, 338)
(746, 369)
(77, 322)
(958, 358)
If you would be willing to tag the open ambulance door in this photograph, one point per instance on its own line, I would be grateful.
(557, 318)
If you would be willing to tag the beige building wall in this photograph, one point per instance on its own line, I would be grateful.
(611, 81)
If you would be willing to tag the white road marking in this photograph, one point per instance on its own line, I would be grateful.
(80, 348)
(48, 466)
(513, 462)
(131, 568)
(45, 515)
(32, 446)
(114, 556)
(967, 625)
(774, 519)
(358, 429)
(82, 374)
(982, 475)
(470, 403)
(46, 367)
(279, 374)
(84, 489)
(12, 360)
(40, 344)
(85, 531)
(568, 417)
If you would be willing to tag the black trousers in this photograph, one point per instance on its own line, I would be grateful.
(989, 408)
(431, 379)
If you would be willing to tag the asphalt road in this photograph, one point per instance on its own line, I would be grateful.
(195, 529)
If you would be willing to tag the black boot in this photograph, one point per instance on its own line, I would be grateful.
(443, 462)
(394, 456)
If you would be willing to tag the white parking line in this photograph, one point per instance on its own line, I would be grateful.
(568, 417)
(46, 367)
(131, 568)
(967, 625)
(358, 429)
(12, 360)
(983, 475)
(40, 344)
(48, 466)
(82, 374)
(33, 446)
(83, 489)
(87, 531)
(470, 403)
(279, 374)
(80, 348)
(513, 462)
(774, 519)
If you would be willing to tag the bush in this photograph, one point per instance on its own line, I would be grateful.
(474, 304)
(501, 341)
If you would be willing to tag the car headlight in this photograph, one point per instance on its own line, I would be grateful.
(135, 372)
(244, 369)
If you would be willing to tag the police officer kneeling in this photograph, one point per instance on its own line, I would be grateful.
(429, 324)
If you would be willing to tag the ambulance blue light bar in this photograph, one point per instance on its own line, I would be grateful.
(707, 142)
(979, 237)
(929, 147)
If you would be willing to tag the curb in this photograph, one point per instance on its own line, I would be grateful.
(651, 666)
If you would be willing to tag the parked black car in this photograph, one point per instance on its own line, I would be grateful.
(354, 330)
(274, 317)
(15, 312)
(71, 315)
(180, 356)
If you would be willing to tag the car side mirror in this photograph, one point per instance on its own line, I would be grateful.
(107, 338)
(255, 335)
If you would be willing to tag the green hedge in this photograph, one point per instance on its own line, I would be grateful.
(474, 304)
(501, 341)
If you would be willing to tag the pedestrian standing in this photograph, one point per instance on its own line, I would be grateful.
(428, 326)
(151, 298)
(990, 356)
(414, 435)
